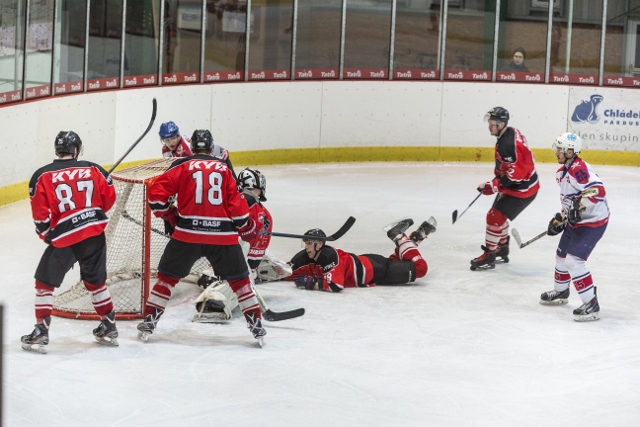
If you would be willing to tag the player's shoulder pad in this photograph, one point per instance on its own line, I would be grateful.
(580, 171)
(328, 258)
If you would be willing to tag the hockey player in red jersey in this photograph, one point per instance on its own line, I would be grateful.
(582, 222)
(69, 201)
(254, 187)
(515, 185)
(325, 268)
(207, 221)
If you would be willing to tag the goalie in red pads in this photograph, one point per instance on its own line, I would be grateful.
(325, 268)
(211, 213)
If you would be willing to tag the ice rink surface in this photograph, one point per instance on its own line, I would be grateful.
(458, 348)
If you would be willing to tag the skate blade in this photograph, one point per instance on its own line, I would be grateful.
(35, 348)
(144, 336)
(260, 341)
(586, 317)
(394, 223)
(111, 342)
(554, 302)
(483, 267)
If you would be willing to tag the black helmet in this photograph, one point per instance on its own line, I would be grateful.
(201, 140)
(315, 232)
(68, 142)
(499, 114)
(252, 178)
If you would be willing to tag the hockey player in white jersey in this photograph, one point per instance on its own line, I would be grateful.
(582, 222)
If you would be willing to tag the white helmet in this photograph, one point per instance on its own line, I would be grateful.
(252, 178)
(567, 141)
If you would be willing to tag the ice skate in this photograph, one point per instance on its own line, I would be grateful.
(106, 333)
(256, 328)
(588, 311)
(486, 261)
(146, 328)
(555, 297)
(37, 340)
(426, 228)
(396, 229)
(503, 251)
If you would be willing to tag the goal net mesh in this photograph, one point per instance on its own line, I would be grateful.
(135, 243)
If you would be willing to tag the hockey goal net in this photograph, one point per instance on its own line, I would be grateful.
(135, 243)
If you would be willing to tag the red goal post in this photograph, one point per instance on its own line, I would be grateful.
(135, 243)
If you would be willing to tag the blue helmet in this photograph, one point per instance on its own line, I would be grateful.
(168, 130)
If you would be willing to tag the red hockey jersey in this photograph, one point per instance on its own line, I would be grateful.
(258, 247)
(515, 165)
(69, 201)
(210, 208)
(333, 265)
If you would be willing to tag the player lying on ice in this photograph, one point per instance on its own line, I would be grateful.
(325, 268)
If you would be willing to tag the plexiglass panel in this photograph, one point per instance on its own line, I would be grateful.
(225, 41)
(622, 45)
(69, 44)
(181, 41)
(105, 40)
(318, 39)
(270, 40)
(416, 41)
(522, 42)
(39, 49)
(367, 39)
(469, 40)
(575, 42)
(141, 42)
(12, 14)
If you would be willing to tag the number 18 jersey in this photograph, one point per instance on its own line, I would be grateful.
(209, 205)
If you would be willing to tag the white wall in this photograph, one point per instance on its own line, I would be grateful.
(262, 116)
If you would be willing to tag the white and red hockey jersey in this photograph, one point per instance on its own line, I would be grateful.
(182, 149)
(69, 201)
(210, 208)
(579, 180)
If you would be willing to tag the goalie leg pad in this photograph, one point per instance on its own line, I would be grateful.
(216, 303)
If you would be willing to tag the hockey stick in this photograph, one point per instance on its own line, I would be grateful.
(455, 216)
(516, 236)
(126, 215)
(275, 316)
(335, 236)
(153, 119)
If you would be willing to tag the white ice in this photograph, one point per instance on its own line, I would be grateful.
(458, 348)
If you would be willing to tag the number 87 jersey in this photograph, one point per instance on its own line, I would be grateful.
(210, 208)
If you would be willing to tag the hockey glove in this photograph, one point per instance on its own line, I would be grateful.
(306, 282)
(248, 231)
(489, 188)
(556, 225)
(333, 287)
(170, 218)
(575, 211)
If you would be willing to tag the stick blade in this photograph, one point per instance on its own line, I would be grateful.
(275, 316)
(343, 230)
(516, 236)
(454, 216)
